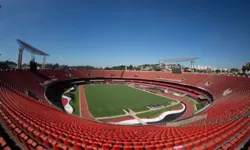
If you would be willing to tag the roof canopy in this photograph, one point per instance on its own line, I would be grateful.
(180, 59)
(31, 49)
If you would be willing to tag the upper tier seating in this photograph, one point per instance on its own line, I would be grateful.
(186, 78)
(25, 79)
(220, 83)
(97, 73)
(56, 74)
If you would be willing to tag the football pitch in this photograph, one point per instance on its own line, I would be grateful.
(110, 100)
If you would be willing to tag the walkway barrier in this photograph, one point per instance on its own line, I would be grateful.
(186, 121)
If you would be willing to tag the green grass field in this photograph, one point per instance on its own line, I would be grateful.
(198, 106)
(75, 101)
(155, 113)
(110, 100)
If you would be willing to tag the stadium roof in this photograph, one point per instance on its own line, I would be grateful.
(180, 59)
(31, 49)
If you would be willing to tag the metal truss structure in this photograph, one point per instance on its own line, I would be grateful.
(177, 60)
(34, 51)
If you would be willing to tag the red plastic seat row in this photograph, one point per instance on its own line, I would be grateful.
(21, 136)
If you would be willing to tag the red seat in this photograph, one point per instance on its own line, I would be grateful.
(7, 148)
(67, 143)
(127, 143)
(177, 143)
(169, 145)
(117, 147)
(78, 146)
(128, 147)
(226, 147)
(189, 146)
(150, 147)
(3, 143)
(57, 146)
(200, 148)
(210, 145)
(40, 148)
(106, 146)
(89, 147)
(159, 146)
(95, 145)
(138, 147)
(137, 143)
(197, 143)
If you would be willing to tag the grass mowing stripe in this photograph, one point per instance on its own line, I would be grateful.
(110, 100)
(156, 113)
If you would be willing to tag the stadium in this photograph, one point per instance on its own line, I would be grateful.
(124, 75)
(121, 109)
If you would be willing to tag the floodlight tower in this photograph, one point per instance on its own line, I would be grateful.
(44, 62)
(34, 51)
(33, 57)
(20, 57)
(192, 65)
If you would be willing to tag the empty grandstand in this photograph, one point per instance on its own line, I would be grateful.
(37, 124)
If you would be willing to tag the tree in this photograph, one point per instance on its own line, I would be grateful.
(244, 68)
(157, 69)
(218, 71)
(121, 67)
(137, 68)
(130, 67)
(234, 70)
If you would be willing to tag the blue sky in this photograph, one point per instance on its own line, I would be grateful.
(113, 32)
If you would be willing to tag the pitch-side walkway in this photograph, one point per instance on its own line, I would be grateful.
(189, 111)
(133, 114)
(84, 110)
